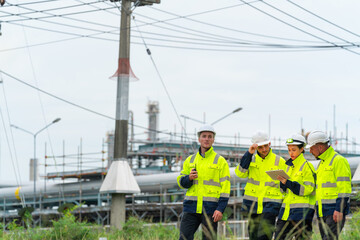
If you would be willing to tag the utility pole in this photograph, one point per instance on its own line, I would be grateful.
(120, 179)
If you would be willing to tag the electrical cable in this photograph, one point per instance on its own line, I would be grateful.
(18, 181)
(269, 45)
(346, 30)
(52, 16)
(299, 29)
(163, 84)
(27, 3)
(186, 17)
(99, 32)
(39, 97)
(76, 105)
(310, 25)
(97, 7)
(65, 17)
(166, 90)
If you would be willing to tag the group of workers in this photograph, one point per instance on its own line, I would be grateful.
(280, 208)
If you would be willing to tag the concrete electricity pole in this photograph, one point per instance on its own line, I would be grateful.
(120, 179)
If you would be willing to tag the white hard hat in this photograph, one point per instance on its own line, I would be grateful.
(260, 138)
(296, 139)
(317, 136)
(206, 128)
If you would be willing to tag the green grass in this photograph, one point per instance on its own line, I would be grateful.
(68, 228)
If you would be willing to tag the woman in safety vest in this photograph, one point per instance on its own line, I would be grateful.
(297, 210)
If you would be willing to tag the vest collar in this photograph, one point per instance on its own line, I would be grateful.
(207, 153)
(327, 154)
(267, 156)
(298, 160)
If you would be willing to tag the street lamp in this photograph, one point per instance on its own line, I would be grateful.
(235, 111)
(187, 117)
(34, 162)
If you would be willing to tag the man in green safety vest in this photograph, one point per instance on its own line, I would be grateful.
(333, 185)
(262, 198)
(206, 176)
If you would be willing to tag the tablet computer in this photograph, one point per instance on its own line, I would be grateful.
(274, 173)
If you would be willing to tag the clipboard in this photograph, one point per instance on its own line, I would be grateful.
(274, 173)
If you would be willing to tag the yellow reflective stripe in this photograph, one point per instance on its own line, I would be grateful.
(251, 180)
(328, 185)
(225, 195)
(344, 179)
(287, 168)
(210, 199)
(243, 170)
(272, 184)
(309, 183)
(342, 195)
(191, 198)
(250, 198)
(211, 183)
(193, 158)
(223, 179)
(196, 182)
(272, 200)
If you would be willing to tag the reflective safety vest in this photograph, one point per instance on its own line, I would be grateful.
(299, 205)
(211, 190)
(262, 193)
(333, 184)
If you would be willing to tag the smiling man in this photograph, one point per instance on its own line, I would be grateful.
(206, 176)
(262, 198)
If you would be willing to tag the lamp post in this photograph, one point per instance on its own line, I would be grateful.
(203, 122)
(34, 162)
(187, 117)
(235, 111)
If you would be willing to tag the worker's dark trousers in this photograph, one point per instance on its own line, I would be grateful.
(190, 223)
(261, 226)
(288, 229)
(329, 229)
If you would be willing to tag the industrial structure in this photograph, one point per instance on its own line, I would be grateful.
(155, 164)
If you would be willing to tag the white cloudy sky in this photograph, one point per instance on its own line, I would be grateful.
(199, 48)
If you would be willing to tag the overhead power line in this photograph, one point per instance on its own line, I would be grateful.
(77, 105)
(187, 17)
(46, 17)
(310, 25)
(218, 43)
(297, 28)
(94, 36)
(29, 3)
(306, 10)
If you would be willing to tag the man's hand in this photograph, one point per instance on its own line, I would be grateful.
(253, 148)
(193, 174)
(217, 216)
(282, 179)
(338, 216)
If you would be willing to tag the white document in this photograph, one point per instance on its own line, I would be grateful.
(274, 173)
